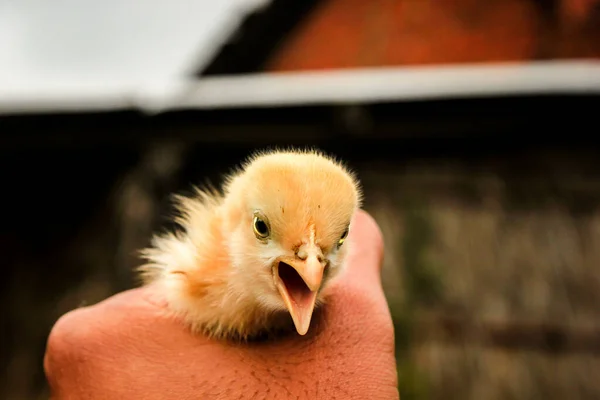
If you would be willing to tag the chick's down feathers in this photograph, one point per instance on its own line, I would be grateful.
(259, 257)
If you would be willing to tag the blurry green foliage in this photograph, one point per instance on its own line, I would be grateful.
(423, 287)
(423, 283)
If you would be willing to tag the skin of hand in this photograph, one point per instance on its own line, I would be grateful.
(128, 347)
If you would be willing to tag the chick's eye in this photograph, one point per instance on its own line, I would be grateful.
(343, 238)
(261, 229)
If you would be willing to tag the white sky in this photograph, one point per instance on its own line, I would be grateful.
(111, 40)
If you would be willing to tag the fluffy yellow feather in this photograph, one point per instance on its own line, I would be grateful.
(258, 257)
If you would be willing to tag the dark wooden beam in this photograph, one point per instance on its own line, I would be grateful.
(512, 121)
(258, 38)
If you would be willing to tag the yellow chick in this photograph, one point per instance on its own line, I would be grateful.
(262, 251)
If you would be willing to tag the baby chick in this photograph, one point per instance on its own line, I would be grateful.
(265, 249)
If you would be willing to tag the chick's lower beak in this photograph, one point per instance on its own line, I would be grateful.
(298, 280)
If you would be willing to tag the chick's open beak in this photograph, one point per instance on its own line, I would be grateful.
(298, 280)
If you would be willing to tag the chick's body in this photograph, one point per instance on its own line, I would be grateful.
(264, 250)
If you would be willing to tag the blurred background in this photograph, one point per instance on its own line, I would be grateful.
(472, 125)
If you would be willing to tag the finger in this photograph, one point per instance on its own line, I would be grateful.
(358, 297)
(365, 256)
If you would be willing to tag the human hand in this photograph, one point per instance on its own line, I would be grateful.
(129, 347)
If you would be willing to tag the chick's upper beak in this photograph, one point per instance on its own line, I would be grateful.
(298, 280)
(311, 266)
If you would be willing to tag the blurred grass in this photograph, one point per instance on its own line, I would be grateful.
(489, 248)
(422, 286)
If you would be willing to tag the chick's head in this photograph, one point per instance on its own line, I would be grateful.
(288, 215)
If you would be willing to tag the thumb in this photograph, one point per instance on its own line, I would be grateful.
(365, 256)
